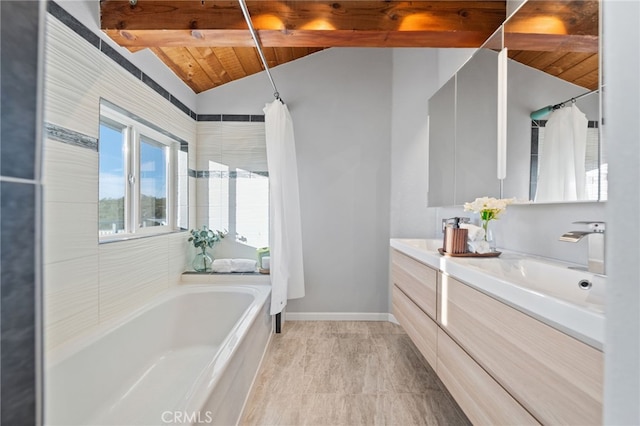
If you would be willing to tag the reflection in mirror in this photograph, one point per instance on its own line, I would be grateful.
(592, 171)
(463, 131)
(477, 128)
(554, 58)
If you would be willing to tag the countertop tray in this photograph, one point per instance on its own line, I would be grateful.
(491, 254)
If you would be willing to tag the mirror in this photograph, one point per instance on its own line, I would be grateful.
(442, 140)
(553, 58)
(463, 131)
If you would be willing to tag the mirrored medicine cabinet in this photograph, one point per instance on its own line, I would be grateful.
(553, 51)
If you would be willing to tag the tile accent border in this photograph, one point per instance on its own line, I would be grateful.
(231, 117)
(79, 28)
(71, 137)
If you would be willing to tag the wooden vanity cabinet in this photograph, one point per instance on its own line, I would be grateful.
(416, 280)
(414, 300)
(422, 330)
(481, 398)
(557, 378)
(501, 365)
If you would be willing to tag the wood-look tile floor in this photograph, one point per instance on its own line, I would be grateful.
(347, 373)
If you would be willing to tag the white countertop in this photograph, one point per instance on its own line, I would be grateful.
(545, 289)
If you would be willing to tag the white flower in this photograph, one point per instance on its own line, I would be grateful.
(488, 207)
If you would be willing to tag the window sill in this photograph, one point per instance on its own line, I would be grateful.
(140, 237)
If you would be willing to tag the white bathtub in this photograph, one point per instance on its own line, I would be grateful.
(188, 357)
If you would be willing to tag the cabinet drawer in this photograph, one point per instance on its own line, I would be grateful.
(482, 399)
(555, 377)
(416, 280)
(422, 330)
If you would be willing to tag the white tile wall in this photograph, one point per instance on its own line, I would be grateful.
(180, 255)
(84, 282)
(123, 89)
(72, 80)
(132, 272)
(66, 167)
(71, 230)
(236, 144)
(71, 298)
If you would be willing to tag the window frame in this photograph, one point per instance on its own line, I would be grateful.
(134, 133)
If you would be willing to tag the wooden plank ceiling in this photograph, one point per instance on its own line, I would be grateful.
(557, 37)
(207, 43)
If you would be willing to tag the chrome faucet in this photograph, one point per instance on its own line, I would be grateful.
(595, 239)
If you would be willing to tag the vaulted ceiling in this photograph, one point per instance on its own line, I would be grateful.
(207, 43)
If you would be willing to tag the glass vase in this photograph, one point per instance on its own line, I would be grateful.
(488, 235)
(202, 262)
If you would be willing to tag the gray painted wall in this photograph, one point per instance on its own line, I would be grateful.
(622, 133)
(340, 102)
(415, 80)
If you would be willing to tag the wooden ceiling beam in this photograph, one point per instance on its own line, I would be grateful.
(137, 39)
(365, 15)
(304, 23)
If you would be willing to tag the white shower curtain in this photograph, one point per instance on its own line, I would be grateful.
(561, 159)
(285, 233)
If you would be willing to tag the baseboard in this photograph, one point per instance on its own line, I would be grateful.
(393, 319)
(340, 316)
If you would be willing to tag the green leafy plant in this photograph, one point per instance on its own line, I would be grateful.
(205, 237)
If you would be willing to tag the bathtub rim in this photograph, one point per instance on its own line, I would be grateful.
(214, 370)
(77, 343)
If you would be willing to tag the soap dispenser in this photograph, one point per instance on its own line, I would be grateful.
(455, 238)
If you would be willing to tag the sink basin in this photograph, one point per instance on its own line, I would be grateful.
(428, 244)
(547, 278)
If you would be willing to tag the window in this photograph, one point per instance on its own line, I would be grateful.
(141, 177)
(234, 183)
(113, 172)
(153, 183)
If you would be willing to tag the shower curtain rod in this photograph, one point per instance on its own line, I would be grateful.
(575, 98)
(254, 35)
(537, 115)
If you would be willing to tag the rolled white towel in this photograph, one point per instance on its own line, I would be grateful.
(233, 265)
(474, 232)
(480, 247)
(222, 265)
(243, 265)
